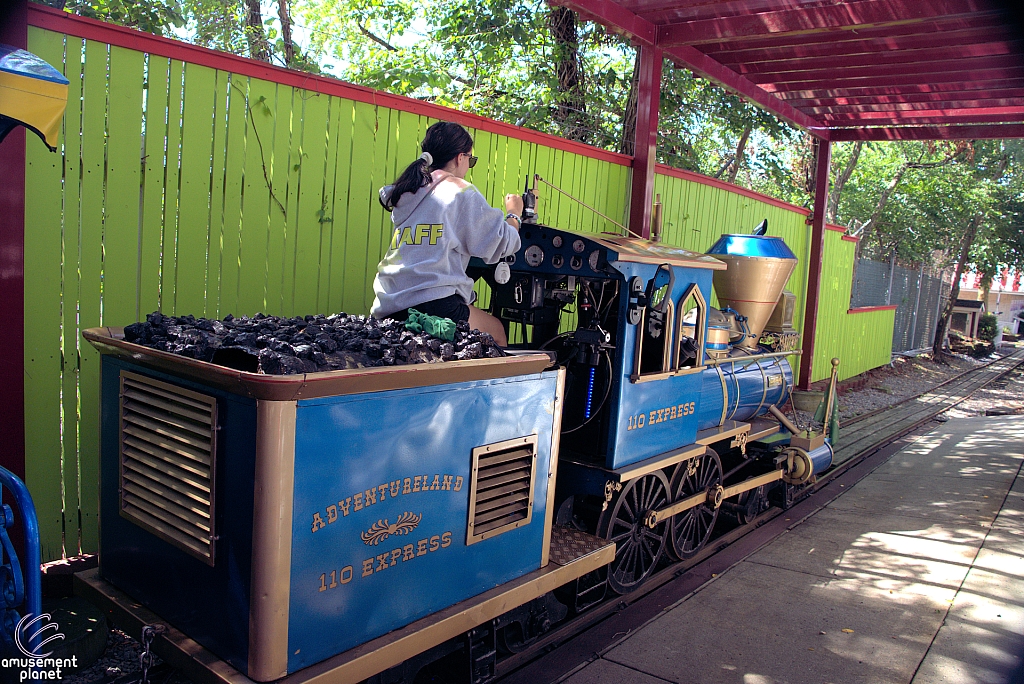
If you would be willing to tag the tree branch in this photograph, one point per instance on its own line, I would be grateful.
(376, 39)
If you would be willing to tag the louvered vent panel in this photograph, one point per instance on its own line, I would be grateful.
(168, 448)
(501, 490)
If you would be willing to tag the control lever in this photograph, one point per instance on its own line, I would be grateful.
(530, 201)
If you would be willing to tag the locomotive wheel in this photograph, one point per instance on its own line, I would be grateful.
(638, 548)
(691, 529)
(752, 503)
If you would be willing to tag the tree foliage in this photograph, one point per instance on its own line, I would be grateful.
(526, 63)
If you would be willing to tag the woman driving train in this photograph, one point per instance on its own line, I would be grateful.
(441, 220)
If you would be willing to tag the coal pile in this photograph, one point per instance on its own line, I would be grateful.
(285, 346)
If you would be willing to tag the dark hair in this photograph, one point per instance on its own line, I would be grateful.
(444, 141)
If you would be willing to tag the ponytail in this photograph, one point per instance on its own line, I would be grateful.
(415, 176)
(444, 141)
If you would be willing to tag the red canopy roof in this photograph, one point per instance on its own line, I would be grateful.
(859, 69)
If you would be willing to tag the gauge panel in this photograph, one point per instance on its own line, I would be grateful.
(552, 251)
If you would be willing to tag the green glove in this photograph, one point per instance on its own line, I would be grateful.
(435, 326)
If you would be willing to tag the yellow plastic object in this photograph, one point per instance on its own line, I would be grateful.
(32, 93)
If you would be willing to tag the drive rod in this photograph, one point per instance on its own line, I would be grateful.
(714, 496)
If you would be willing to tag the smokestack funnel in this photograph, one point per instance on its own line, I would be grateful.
(759, 268)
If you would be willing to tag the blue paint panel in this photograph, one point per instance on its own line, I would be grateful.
(349, 446)
(211, 605)
(750, 388)
(645, 425)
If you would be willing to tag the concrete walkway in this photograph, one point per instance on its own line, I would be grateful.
(916, 574)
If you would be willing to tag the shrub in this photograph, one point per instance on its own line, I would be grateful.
(988, 327)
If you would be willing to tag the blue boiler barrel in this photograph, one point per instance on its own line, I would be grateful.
(739, 389)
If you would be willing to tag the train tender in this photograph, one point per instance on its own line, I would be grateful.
(363, 523)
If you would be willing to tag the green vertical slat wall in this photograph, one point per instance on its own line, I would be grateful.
(188, 189)
(165, 195)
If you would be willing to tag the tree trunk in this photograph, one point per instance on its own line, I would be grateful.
(259, 48)
(628, 141)
(570, 110)
(284, 14)
(947, 312)
(738, 159)
(876, 215)
(837, 187)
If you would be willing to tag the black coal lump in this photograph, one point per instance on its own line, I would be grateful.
(283, 346)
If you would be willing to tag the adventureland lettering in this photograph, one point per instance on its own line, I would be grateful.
(395, 488)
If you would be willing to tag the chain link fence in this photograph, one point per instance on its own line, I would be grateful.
(918, 293)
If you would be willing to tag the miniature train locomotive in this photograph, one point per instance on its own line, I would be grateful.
(367, 521)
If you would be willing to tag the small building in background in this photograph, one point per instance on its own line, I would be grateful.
(966, 314)
(1005, 299)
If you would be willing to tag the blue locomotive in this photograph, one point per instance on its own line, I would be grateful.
(363, 523)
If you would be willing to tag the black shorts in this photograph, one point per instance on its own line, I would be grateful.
(452, 306)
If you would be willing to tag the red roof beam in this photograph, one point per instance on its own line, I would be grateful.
(682, 10)
(1008, 51)
(966, 39)
(987, 89)
(615, 17)
(840, 86)
(704, 66)
(1011, 65)
(845, 17)
(914, 118)
(996, 98)
(970, 105)
(992, 23)
(993, 132)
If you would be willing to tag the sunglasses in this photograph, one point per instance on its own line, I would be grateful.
(472, 160)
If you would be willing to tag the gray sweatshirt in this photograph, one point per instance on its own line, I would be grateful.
(437, 229)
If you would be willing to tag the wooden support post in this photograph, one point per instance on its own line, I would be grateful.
(13, 31)
(646, 141)
(822, 157)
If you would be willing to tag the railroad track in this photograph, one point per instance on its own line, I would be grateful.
(862, 438)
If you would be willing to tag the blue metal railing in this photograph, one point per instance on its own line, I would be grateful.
(17, 586)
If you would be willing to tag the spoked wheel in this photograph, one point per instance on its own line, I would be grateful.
(637, 546)
(691, 529)
(751, 504)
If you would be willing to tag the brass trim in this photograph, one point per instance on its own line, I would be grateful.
(164, 469)
(714, 497)
(736, 384)
(636, 376)
(753, 357)
(752, 483)
(699, 330)
(556, 443)
(759, 429)
(530, 441)
(764, 389)
(668, 331)
(271, 539)
(709, 436)
(362, 661)
(725, 395)
(314, 385)
(635, 470)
